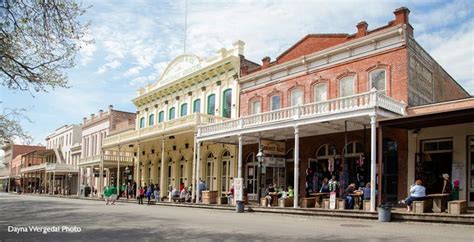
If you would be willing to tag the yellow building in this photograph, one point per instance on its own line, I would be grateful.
(190, 92)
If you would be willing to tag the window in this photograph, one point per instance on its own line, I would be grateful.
(197, 106)
(142, 122)
(225, 175)
(211, 104)
(151, 120)
(347, 86)
(184, 109)
(210, 176)
(161, 117)
(320, 92)
(227, 104)
(256, 107)
(377, 80)
(171, 114)
(275, 102)
(296, 97)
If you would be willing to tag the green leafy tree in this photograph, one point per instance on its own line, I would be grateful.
(38, 42)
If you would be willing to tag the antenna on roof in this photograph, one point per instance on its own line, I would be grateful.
(185, 23)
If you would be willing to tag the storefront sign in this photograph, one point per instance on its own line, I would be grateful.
(332, 200)
(274, 161)
(180, 67)
(271, 147)
(239, 189)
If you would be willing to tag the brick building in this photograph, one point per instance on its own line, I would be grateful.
(319, 103)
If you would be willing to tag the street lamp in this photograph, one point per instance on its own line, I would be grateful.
(260, 156)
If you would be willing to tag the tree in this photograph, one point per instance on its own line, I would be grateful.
(10, 127)
(38, 41)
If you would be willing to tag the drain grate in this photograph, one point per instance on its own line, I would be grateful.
(356, 225)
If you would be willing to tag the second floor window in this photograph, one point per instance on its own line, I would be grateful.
(211, 104)
(256, 107)
(297, 97)
(161, 117)
(142, 122)
(184, 109)
(377, 80)
(347, 86)
(172, 113)
(275, 102)
(227, 104)
(197, 106)
(151, 119)
(320, 92)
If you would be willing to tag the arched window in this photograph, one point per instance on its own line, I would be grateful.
(256, 107)
(225, 174)
(210, 171)
(184, 109)
(161, 117)
(197, 106)
(297, 97)
(377, 79)
(325, 151)
(142, 122)
(353, 148)
(347, 86)
(275, 102)
(151, 120)
(172, 113)
(320, 92)
(227, 103)
(211, 104)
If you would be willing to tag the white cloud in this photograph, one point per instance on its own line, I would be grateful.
(111, 65)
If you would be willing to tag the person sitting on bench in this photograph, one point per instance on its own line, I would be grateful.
(417, 193)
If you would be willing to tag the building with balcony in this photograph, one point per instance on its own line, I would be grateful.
(10, 179)
(62, 169)
(95, 163)
(313, 112)
(191, 91)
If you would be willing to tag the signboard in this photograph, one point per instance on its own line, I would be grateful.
(239, 189)
(332, 200)
(274, 161)
(271, 147)
(180, 67)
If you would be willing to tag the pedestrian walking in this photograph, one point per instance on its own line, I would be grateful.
(148, 195)
(157, 194)
(140, 195)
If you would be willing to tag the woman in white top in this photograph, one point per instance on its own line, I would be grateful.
(417, 193)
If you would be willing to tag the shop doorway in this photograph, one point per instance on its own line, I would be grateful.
(437, 159)
(390, 170)
(290, 168)
(355, 167)
(470, 165)
(251, 176)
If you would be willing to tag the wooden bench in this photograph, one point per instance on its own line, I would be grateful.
(308, 202)
(457, 207)
(285, 202)
(422, 206)
(340, 203)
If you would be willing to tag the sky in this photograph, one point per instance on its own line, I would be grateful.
(135, 40)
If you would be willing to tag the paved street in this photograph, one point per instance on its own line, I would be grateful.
(133, 222)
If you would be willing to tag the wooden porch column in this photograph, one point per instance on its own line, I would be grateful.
(193, 194)
(380, 166)
(373, 148)
(297, 166)
(198, 171)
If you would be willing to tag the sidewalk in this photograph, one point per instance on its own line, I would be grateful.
(397, 215)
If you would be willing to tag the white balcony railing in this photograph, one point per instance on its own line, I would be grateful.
(38, 167)
(366, 100)
(193, 120)
(50, 167)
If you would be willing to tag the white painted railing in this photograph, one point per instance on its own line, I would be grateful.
(33, 168)
(123, 158)
(61, 167)
(193, 120)
(370, 99)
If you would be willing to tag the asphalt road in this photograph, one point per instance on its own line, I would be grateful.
(130, 222)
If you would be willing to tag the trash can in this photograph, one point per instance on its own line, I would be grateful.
(239, 207)
(385, 213)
